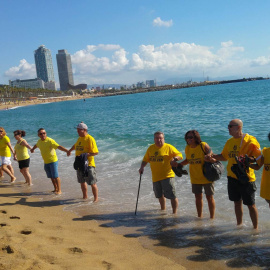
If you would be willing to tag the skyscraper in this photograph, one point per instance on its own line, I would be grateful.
(44, 65)
(64, 69)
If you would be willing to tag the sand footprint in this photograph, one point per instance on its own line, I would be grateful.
(26, 232)
(8, 249)
(3, 211)
(14, 217)
(76, 250)
(107, 264)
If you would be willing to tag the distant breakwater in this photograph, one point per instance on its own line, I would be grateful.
(175, 86)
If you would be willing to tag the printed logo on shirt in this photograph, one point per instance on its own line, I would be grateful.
(267, 167)
(79, 148)
(194, 161)
(156, 158)
(234, 153)
(192, 156)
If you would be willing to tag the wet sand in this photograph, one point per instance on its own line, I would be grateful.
(40, 235)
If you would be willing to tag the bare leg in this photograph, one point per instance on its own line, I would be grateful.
(238, 208)
(199, 204)
(27, 175)
(54, 184)
(84, 190)
(174, 203)
(211, 205)
(11, 169)
(95, 192)
(58, 185)
(8, 172)
(1, 172)
(162, 202)
(253, 212)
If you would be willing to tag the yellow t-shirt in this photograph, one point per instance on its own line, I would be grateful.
(241, 146)
(159, 159)
(265, 183)
(86, 144)
(47, 149)
(21, 151)
(195, 158)
(4, 149)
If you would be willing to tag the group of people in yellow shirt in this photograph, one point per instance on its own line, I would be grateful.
(163, 157)
(85, 144)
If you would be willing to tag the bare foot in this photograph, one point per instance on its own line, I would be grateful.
(13, 179)
(96, 200)
(58, 192)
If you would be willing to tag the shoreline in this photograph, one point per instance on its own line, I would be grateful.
(125, 92)
(41, 235)
(13, 105)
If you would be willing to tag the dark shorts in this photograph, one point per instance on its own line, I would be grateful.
(24, 163)
(51, 169)
(165, 187)
(238, 191)
(208, 189)
(91, 179)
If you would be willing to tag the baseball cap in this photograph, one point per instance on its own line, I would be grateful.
(82, 125)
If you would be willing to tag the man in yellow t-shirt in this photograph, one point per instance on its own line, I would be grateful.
(86, 144)
(240, 193)
(162, 157)
(47, 148)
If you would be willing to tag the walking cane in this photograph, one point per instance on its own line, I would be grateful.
(138, 194)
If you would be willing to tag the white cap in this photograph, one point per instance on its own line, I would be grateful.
(82, 126)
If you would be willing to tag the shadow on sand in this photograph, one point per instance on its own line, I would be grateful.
(239, 248)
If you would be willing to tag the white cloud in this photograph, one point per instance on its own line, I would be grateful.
(227, 49)
(158, 22)
(103, 47)
(260, 61)
(110, 63)
(23, 71)
(86, 62)
(174, 57)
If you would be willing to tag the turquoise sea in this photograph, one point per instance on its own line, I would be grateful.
(123, 127)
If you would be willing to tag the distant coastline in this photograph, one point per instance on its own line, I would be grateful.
(176, 86)
(21, 102)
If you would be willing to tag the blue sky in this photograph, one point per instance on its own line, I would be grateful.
(130, 41)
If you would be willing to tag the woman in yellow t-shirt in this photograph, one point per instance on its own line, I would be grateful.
(22, 155)
(5, 154)
(264, 160)
(195, 152)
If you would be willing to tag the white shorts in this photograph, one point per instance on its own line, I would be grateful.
(6, 160)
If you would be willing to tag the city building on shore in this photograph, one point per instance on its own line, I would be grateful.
(32, 84)
(150, 83)
(64, 69)
(44, 66)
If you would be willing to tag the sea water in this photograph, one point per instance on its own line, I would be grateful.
(123, 127)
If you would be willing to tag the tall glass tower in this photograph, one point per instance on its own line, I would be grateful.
(44, 65)
(64, 69)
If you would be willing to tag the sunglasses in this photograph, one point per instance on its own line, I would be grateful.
(230, 126)
(42, 133)
(1, 131)
(16, 134)
(190, 137)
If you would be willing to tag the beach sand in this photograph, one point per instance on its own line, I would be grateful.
(39, 235)
(10, 105)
